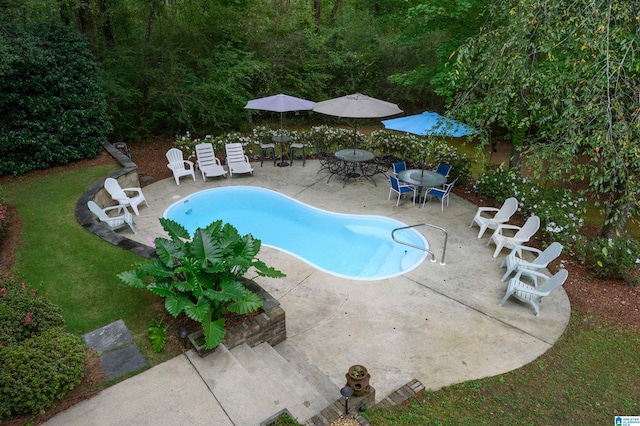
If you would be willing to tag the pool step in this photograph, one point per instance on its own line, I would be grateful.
(252, 384)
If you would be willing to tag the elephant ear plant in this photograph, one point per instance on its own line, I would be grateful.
(201, 276)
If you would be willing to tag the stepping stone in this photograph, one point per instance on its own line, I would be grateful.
(109, 337)
(122, 361)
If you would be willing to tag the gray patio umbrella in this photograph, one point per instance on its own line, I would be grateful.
(357, 105)
(280, 103)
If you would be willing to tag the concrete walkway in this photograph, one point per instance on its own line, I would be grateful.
(438, 324)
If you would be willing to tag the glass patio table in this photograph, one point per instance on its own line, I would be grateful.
(282, 139)
(352, 157)
(422, 179)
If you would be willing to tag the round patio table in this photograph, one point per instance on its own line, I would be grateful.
(351, 157)
(422, 179)
(282, 139)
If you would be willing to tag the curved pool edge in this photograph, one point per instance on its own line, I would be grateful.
(390, 220)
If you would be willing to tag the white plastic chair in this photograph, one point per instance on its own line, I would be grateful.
(531, 295)
(178, 165)
(400, 188)
(237, 161)
(442, 194)
(207, 161)
(123, 217)
(522, 235)
(515, 263)
(502, 215)
(120, 195)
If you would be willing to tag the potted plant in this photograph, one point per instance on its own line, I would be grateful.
(202, 275)
(358, 379)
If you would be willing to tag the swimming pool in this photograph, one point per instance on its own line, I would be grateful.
(357, 247)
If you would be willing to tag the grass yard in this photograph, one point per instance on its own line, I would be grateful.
(72, 267)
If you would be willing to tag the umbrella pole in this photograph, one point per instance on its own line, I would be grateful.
(281, 123)
(355, 137)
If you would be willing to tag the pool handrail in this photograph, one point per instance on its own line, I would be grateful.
(433, 256)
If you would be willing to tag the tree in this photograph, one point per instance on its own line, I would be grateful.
(563, 77)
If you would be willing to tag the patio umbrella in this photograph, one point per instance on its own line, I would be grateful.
(357, 105)
(280, 103)
(429, 124)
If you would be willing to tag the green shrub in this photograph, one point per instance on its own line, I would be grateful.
(22, 313)
(612, 258)
(52, 109)
(41, 369)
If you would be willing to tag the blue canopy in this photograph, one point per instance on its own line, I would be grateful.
(428, 124)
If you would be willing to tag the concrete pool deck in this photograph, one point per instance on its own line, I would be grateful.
(439, 324)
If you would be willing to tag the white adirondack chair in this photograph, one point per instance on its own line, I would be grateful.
(530, 294)
(207, 161)
(120, 195)
(237, 161)
(515, 263)
(178, 165)
(122, 217)
(501, 215)
(522, 235)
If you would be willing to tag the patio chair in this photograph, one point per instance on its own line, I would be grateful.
(531, 295)
(442, 194)
(372, 168)
(400, 188)
(502, 215)
(335, 166)
(292, 148)
(443, 169)
(207, 161)
(122, 217)
(237, 161)
(267, 148)
(178, 165)
(522, 235)
(515, 263)
(120, 195)
(398, 167)
(324, 158)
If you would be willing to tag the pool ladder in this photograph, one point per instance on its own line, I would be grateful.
(429, 252)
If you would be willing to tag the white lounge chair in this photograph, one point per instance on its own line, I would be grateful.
(515, 263)
(207, 161)
(120, 195)
(502, 215)
(123, 217)
(531, 295)
(178, 165)
(522, 235)
(237, 161)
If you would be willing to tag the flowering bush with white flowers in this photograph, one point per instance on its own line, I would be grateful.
(612, 258)
(331, 139)
(561, 211)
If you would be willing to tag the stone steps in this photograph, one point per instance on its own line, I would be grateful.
(252, 384)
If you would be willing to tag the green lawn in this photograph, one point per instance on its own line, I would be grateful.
(72, 267)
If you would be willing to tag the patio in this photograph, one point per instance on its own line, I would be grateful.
(439, 324)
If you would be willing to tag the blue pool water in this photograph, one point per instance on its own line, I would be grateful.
(351, 246)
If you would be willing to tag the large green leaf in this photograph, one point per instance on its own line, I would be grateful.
(204, 248)
(156, 268)
(250, 303)
(174, 229)
(175, 304)
(161, 289)
(198, 311)
(214, 332)
(158, 335)
(267, 271)
(216, 296)
(133, 278)
(235, 289)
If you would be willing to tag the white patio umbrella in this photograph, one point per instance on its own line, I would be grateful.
(357, 105)
(280, 103)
